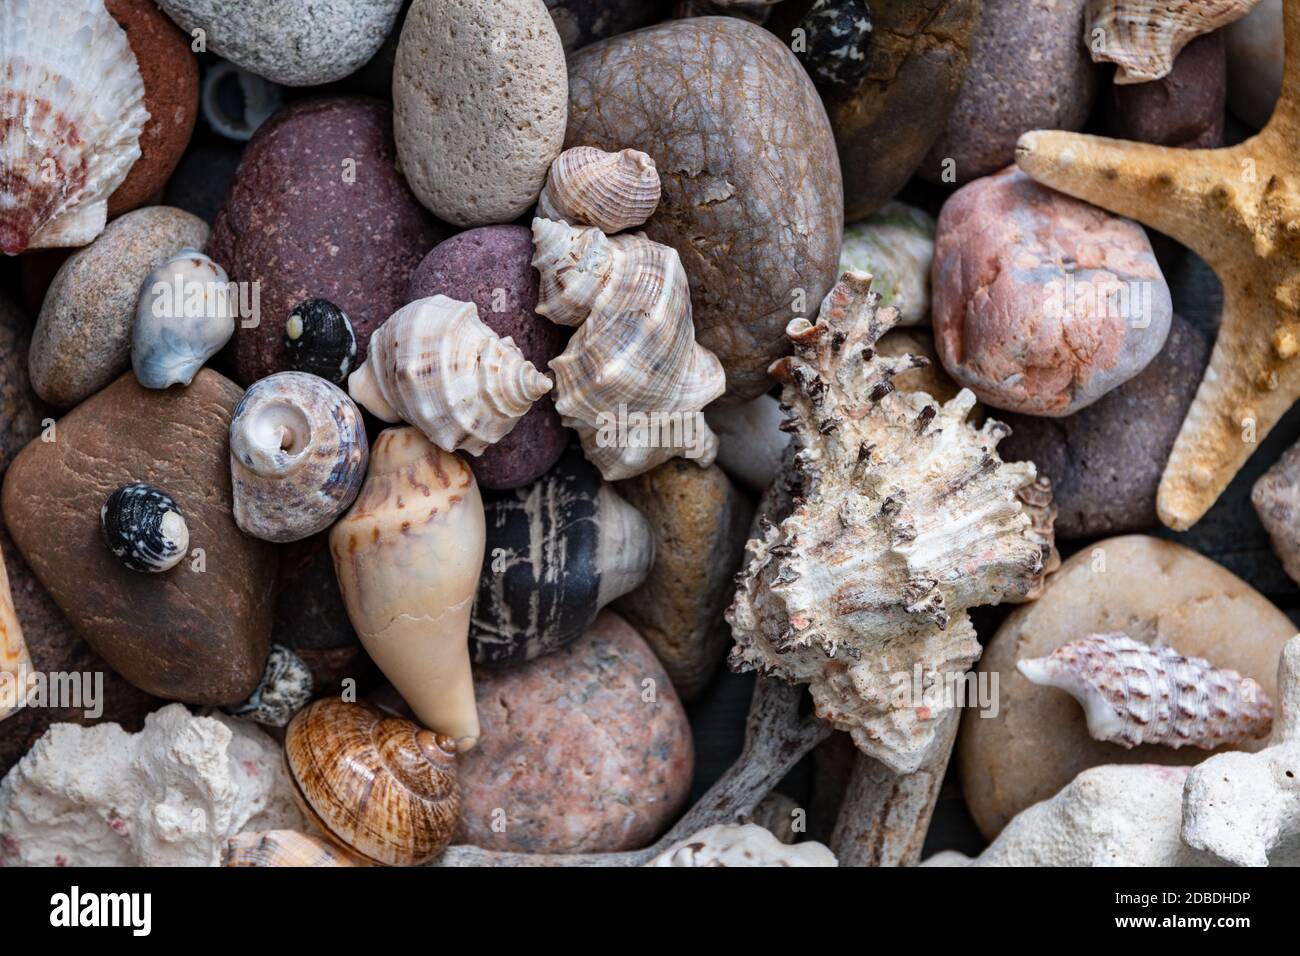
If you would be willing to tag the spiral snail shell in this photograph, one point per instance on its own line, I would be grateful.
(144, 528)
(286, 848)
(298, 455)
(590, 187)
(286, 688)
(383, 787)
(183, 317)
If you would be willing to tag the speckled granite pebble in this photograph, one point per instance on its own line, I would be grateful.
(573, 758)
(1185, 108)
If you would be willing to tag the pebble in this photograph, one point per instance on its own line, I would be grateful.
(1043, 303)
(292, 42)
(82, 339)
(1105, 461)
(1276, 497)
(1185, 108)
(750, 441)
(198, 633)
(700, 523)
(1255, 61)
(585, 750)
(1151, 590)
(1029, 69)
(480, 95)
(203, 179)
(170, 72)
(492, 267)
(752, 197)
(319, 210)
(895, 245)
(21, 411)
(580, 22)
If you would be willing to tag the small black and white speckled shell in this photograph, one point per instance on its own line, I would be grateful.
(557, 552)
(144, 528)
(286, 688)
(319, 339)
(836, 37)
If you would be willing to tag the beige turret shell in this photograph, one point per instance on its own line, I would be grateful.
(15, 663)
(1142, 37)
(590, 187)
(435, 365)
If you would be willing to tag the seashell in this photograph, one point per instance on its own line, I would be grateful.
(15, 662)
(734, 844)
(407, 558)
(435, 365)
(383, 787)
(286, 848)
(298, 455)
(837, 36)
(318, 338)
(1134, 693)
(632, 381)
(286, 688)
(590, 187)
(71, 113)
(892, 516)
(235, 102)
(144, 528)
(183, 317)
(557, 552)
(1142, 37)
(896, 246)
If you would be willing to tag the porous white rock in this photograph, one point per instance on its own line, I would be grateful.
(171, 795)
(746, 844)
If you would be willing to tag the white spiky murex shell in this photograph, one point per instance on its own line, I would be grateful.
(590, 187)
(435, 365)
(1134, 693)
(633, 381)
(71, 112)
(1142, 37)
(892, 517)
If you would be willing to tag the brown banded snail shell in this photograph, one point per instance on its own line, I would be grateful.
(286, 848)
(383, 787)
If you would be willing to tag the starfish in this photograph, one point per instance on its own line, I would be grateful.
(1239, 209)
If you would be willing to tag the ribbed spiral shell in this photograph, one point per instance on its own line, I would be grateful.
(590, 187)
(1143, 37)
(286, 848)
(381, 786)
(435, 365)
(1135, 693)
(71, 112)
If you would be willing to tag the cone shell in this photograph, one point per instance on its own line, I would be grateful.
(1142, 37)
(183, 317)
(286, 848)
(435, 365)
(632, 381)
(1135, 693)
(590, 187)
(381, 786)
(407, 558)
(71, 112)
(15, 663)
(298, 455)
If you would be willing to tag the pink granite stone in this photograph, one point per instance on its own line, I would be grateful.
(1043, 303)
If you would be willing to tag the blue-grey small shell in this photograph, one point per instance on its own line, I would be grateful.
(144, 528)
(836, 38)
(183, 317)
(298, 456)
(319, 339)
(286, 688)
(235, 102)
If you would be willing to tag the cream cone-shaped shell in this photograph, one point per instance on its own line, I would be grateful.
(1142, 37)
(408, 556)
(590, 187)
(15, 664)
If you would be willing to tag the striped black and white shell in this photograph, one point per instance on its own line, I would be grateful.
(286, 688)
(144, 528)
(319, 339)
(1134, 693)
(557, 552)
(834, 44)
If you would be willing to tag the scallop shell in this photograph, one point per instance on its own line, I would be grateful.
(590, 187)
(298, 455)
(71, 113)
(381, 786)
(407, 557)
(1135, 693)
(1142, 37)
(15, 662)
(435, 365)
(632, 381)
(892, 517)
(183, 317)
(144, 528)
(286, 848)
(286, 688)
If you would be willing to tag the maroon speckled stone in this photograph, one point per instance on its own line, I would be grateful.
(304, 222)
(1185, 108)
(472, 267)
(572, 756)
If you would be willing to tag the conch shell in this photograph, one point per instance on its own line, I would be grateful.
(15, 663)
(590, 187)
(407, 557)
(435, 365)
(183, 317)
(633, 368)
(298, 455)
(71, 112)
(1142, 37)
(893, 516)
(1135, 693)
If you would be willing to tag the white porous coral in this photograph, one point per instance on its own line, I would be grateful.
(742, 845)
(171, 795)
(900, 517)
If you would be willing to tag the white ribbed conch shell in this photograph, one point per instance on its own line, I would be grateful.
(435, 365)
(15, 664)
(183, 317)
(71, 112)
(893, 516)
(590, 187)
(1134, 693)
(1142, 37)
(632, 381)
